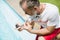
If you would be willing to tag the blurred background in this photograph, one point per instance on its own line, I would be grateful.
(55, 2)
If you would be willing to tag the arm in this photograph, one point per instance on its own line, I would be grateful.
(43, 31)
(21, 27)
(51, 24)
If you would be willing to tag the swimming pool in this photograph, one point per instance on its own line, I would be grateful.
(8, 20)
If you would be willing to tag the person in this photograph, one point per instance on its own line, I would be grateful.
(45, 14)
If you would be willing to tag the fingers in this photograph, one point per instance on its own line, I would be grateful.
(39, 20)
(19, 27)
(26, 26)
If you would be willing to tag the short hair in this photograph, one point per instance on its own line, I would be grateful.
(22, 1)
(30, 3)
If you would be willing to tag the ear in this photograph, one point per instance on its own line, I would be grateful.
(35, 7)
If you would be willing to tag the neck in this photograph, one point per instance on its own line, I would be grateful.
(42, 7)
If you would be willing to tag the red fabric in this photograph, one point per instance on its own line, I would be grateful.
(50, 36)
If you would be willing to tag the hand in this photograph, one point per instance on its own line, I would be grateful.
(19, 27)
(27, 26)
(39, 20)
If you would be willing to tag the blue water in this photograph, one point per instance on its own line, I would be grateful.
(8, 20)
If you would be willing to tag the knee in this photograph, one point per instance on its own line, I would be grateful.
(58, 36)
(41, 38)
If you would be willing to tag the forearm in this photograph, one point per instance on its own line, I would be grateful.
(43, 31)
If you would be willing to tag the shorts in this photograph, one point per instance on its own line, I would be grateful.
(50, 36)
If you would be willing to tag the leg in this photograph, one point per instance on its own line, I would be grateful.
(58, 36)
(41, 38)
(50, 36)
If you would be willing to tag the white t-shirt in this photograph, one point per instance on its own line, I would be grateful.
(49, 17)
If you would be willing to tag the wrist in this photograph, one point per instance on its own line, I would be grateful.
(29, 30)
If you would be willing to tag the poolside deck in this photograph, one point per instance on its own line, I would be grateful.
(15, 5)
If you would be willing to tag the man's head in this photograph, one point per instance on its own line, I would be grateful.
(30, 6)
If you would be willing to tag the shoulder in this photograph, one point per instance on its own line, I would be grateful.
(52, 11)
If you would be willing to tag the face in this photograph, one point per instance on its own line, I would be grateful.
(31, 11)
